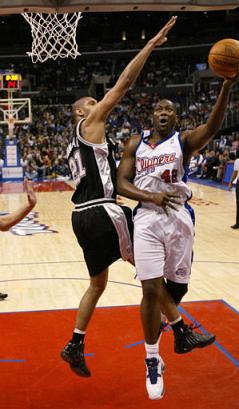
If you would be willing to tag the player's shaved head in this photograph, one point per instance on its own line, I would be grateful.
(79, 103)
(82, 107)
(164, 102)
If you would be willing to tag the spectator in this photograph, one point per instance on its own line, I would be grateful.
(195, 167)
(235, 175)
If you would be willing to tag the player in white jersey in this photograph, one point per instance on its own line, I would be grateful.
(160, 168)
(96, 219)
(152, 171)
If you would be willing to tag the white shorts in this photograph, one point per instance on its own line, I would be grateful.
(163, 245)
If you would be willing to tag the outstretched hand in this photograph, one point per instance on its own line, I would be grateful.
(231, 81)
(31, 196)
(161, 37)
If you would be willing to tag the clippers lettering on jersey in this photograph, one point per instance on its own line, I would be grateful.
(148, 165)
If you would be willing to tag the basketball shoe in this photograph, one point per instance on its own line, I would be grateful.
(74, 355)
(154, 377)
(3, 296)
(187, 340)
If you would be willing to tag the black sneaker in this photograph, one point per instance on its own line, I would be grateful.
(74, 355)
(235, 226)
(3, 296)
(188, 340)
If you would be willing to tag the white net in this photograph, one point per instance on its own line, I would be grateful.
(54, 35)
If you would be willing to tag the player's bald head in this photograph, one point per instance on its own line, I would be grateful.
(79, 103)
(83, 107)
(166, 102)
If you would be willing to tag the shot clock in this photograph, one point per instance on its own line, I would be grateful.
(10, 82)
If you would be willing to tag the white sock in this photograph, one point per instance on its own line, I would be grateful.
(78, 331)
(175, 321)
(152, 350)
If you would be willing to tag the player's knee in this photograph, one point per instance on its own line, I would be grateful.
(98, 287)
(176, 290)
(150, 290)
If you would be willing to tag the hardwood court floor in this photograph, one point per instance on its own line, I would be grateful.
(46, 270)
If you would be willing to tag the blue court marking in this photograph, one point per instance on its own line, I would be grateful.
(3, 361)
(127, 346)
(181, 309)
(216, 343)
(230, 307)
(12, 360)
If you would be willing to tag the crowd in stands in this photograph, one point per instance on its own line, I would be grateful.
(43, 142)
(71, 75)
(210, 164)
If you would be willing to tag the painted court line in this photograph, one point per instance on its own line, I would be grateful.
(230, 307)
(216, 343)
(12, 360)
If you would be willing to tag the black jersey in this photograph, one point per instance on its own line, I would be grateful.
(93, 168)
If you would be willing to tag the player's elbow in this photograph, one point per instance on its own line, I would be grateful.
(120, 185)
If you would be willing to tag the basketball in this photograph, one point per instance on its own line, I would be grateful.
(223, 58)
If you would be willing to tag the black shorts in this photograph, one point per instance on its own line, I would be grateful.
(97, 236)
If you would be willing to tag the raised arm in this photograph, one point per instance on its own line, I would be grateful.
(200, 136)
(131, 72)
(125, 177)
(9, 220)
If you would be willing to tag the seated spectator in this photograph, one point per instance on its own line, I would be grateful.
(47, 163)
(31, 170)
(235, 143)
(212, 165)
(195, 166)
(41, 168)
(223, 159)
(61, 169)
(222, 143)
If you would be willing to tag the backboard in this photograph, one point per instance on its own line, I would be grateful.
(17, 108)
(70, 6)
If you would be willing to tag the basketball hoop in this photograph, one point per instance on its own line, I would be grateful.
(54, 35)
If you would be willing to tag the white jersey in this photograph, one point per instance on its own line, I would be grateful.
(160, 168)
(162, 241)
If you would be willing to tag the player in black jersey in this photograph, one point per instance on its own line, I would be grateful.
(102, 227)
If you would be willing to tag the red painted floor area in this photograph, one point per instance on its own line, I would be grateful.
(49, 186)
(36, 378)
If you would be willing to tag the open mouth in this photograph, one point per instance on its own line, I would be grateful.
(163, 121)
